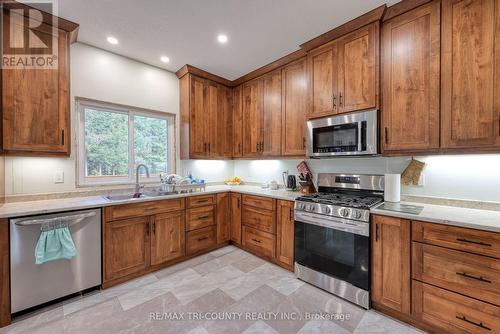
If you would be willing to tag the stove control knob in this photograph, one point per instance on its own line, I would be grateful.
(311, 208)
(326, 209)
(344, 212)
(357, 214)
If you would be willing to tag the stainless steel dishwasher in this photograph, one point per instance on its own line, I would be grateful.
(34, 284)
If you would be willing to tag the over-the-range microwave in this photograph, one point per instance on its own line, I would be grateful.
(343, 135)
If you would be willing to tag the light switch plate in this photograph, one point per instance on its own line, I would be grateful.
(58, 176)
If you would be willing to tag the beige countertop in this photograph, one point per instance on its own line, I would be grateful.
(19, 209)
(449, 215)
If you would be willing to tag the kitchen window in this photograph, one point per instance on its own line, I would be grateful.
(113, 140)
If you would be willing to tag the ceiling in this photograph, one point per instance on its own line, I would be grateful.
(259, 31)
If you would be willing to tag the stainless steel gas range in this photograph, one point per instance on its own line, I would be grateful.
(332, 234)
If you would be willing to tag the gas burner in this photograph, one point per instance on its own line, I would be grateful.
(341, 199)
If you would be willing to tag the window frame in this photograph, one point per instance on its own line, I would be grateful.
(83, 180)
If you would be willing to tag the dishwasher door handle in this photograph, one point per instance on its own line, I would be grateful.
(65, 219)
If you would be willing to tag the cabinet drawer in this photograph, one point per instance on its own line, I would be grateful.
(196, 201)
(453, 313)
(258, 241)
(200, 217)
(201, 239)
(473, 275)
(259, 202)
(259, 219)
(465, 239)
(143, 208)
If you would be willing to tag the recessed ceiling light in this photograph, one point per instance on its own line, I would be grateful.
(112, 40)
(165, 59)
(222, 38)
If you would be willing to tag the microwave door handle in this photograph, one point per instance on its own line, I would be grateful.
(360, 135)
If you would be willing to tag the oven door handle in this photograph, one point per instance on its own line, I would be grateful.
(344, 225)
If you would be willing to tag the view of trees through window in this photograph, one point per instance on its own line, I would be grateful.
(107, 143)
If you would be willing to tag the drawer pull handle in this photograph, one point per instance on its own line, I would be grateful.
(257, 241)
(202, 238)
(474, 242)
(479, 278)
(463, 318)
(151, 209)
(204, 217)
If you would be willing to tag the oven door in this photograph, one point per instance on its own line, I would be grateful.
(336, 247)
(351, 134)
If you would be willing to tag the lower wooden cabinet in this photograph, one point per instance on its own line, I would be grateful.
(126, 247)
(167, 237)
(236, 218)
(200, 240)
(262, 243)
(285, 229)
(391, 263)
(449, 312)
(223, 217)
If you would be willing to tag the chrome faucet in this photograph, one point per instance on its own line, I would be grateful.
(138, 187)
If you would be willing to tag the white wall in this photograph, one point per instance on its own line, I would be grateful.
(472, 177)
(104, 76)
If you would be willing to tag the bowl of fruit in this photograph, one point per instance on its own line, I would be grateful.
(233, 181)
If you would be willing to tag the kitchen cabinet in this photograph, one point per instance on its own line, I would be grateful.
(201, 240)
(410, 80)
(223, 217)
(236, 218)
(225, 122)
(206, 118)
(253, 99)
(271, 126)
(470, 80)
(167, 237)
(285, 222)
(391, 262)
(126, 247)
(344, 73)
(237, 122)
(295, 103)
(36, 101)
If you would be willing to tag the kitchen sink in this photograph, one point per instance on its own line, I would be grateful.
(124, 197)
(160, 193)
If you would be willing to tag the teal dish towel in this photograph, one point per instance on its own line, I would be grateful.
(54, 244)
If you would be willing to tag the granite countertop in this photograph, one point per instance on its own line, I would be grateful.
(486, 220)
(19, 209)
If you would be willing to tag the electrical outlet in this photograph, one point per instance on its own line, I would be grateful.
(59, 176)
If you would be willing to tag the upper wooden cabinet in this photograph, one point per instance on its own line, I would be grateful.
(470, 87)
(206, 118)
(271, 126)
(344, 73)
(410, 80)
(237, 122)
(252, 95)
(36, 101)
(295, 103)
(391, 262)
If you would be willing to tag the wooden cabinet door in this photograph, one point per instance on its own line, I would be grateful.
(223, 217)
(295, 103)
(126, 247)
(35, 102)
(323, 72)
(252, 117)
(411, 79)
(391, 262)
(237, 122)
(271, 136)
(197, 119)
(236, 218)
(167, 237)
(285, 236)
(225, 122)
(212, 117)
(470, 79)
(358, 82)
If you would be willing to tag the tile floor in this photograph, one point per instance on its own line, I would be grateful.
(225, 291)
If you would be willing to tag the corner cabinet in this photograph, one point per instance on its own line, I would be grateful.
(410, 80)
(344, 73)
(36, 101)
(470, 89)
(206, 118)
(391, 263)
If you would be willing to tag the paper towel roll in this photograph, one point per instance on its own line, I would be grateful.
(392, 188)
